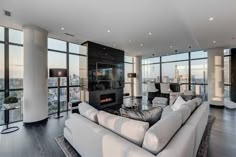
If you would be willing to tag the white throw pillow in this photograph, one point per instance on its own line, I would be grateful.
(129, 129)
(88, 111)
(178, 103)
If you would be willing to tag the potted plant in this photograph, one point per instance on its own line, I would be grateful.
(10, 102)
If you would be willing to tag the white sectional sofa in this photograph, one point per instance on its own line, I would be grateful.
(99, 134)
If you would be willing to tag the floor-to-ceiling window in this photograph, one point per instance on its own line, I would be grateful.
(2, 70)
(128, 69)
(72, 57)
(150, 71)
(175, 69)
(227, 73)
(190, 70)
(11, 69)
(199, 62)
(57, 55)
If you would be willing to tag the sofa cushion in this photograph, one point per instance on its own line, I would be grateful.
(151, 116)
(129, 129)
(166, 111)
(198, 100)
(158, 136)
(192, 104)
(185, 112)
(88, 111)
(178, 103)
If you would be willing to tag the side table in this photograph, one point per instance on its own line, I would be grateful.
(8, 129)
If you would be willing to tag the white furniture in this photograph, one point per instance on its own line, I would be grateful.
(165, 88)
(159, 101)
(99, 134)
(151, 88)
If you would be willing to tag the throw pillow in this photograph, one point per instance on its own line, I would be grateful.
(173, 96)
(198, 100)
(151, 116)
(188, 97)
(88, 111)
(178, 103)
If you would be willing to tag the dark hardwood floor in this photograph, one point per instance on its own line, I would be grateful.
(33, 141)
(38, 141)
(223, 135)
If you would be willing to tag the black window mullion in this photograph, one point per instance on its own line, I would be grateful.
(160, 69)
(189, 71)
(68, 73)
(6, 57)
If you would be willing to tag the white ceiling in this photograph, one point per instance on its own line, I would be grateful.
(180, 23)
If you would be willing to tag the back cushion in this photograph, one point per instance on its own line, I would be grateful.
(191, 104)
(129, 129)
(178, 103)
(185, 112)
(158, 136)
(88, 111)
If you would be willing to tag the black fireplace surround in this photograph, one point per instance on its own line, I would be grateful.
(105, 75)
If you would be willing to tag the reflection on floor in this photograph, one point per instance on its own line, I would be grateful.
(38, 141)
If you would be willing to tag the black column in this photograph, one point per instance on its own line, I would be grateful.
(233, 75)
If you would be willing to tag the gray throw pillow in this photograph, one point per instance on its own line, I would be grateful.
(151, 116)
(188, 97)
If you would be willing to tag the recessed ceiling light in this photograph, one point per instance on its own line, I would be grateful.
(62, 28)
(171, 46)
(108, 31)
(214, 42)
(211, 18)
(141, 45)
(149, 33)
(114, 45)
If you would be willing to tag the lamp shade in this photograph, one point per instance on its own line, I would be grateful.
(131, 75)
(57, 72)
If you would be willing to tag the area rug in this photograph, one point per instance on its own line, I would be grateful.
(202, 150)
(65, 146)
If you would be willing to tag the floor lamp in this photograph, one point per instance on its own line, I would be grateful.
(132, 76)
(58, 73)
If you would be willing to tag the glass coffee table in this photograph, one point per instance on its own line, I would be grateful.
(8, 129)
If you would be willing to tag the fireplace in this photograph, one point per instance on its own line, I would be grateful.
(107, 98)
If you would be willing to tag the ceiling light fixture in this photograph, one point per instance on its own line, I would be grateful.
(214, 42)
(211, 18)
(149, 33)
(62, 28)
(108, 31)
(171, 46)
(114, 45)
(141, 45)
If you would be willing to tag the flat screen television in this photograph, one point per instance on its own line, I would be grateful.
(109, 72)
